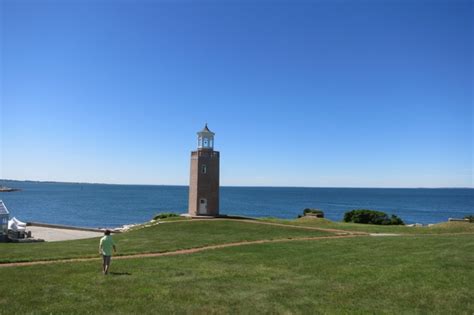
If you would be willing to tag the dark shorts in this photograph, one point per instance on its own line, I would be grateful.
(106, 259)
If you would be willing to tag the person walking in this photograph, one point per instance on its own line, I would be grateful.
(106, 246)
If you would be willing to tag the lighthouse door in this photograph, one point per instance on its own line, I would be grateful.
(202, 206)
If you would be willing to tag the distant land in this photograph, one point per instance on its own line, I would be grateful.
(118, 184)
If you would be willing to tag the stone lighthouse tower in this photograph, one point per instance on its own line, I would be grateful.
(204, 179)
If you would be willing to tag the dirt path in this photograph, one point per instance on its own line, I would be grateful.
(336, 231)
(178, 252)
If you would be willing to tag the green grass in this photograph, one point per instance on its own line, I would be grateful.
(441, 228)
(365, 275)
(158, 238)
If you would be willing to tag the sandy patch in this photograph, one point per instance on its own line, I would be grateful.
(55, 235)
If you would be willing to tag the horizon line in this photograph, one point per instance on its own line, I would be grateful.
(249, 186)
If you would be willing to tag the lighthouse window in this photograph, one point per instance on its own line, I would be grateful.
(204, 169)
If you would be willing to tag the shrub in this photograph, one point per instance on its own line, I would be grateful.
(371, 217)
(318, 213)
(315, 211)
(394, 220)
(470, 218)
(165, 215)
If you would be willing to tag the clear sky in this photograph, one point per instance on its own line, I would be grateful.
(299, 93)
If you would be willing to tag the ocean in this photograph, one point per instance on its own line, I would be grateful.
(101, 205)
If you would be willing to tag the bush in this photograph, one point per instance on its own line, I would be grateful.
(470, 218)
(316, 212)
(371, 217)
(165, 215)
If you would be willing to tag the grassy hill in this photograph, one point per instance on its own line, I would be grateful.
(403, 274)
(157, 238)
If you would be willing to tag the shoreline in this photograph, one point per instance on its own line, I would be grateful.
(126, 226)
(56, 232)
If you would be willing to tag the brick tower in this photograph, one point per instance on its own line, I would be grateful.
(204, 179)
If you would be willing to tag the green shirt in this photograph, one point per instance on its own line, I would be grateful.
(106, 245)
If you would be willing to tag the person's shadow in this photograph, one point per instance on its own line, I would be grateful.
(120, 274)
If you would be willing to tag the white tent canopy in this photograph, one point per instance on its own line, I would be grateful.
(18, 222)
(17, 226)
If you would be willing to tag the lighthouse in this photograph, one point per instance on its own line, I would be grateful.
(204, 177)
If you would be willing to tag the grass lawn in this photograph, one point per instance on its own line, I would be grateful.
(393, 275)
(441, 228)
(158, 238)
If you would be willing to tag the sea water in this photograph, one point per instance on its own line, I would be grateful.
(101, 205)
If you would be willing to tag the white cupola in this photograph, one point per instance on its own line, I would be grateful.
(205, 139)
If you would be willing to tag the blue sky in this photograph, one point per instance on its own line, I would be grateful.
(299, 93)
